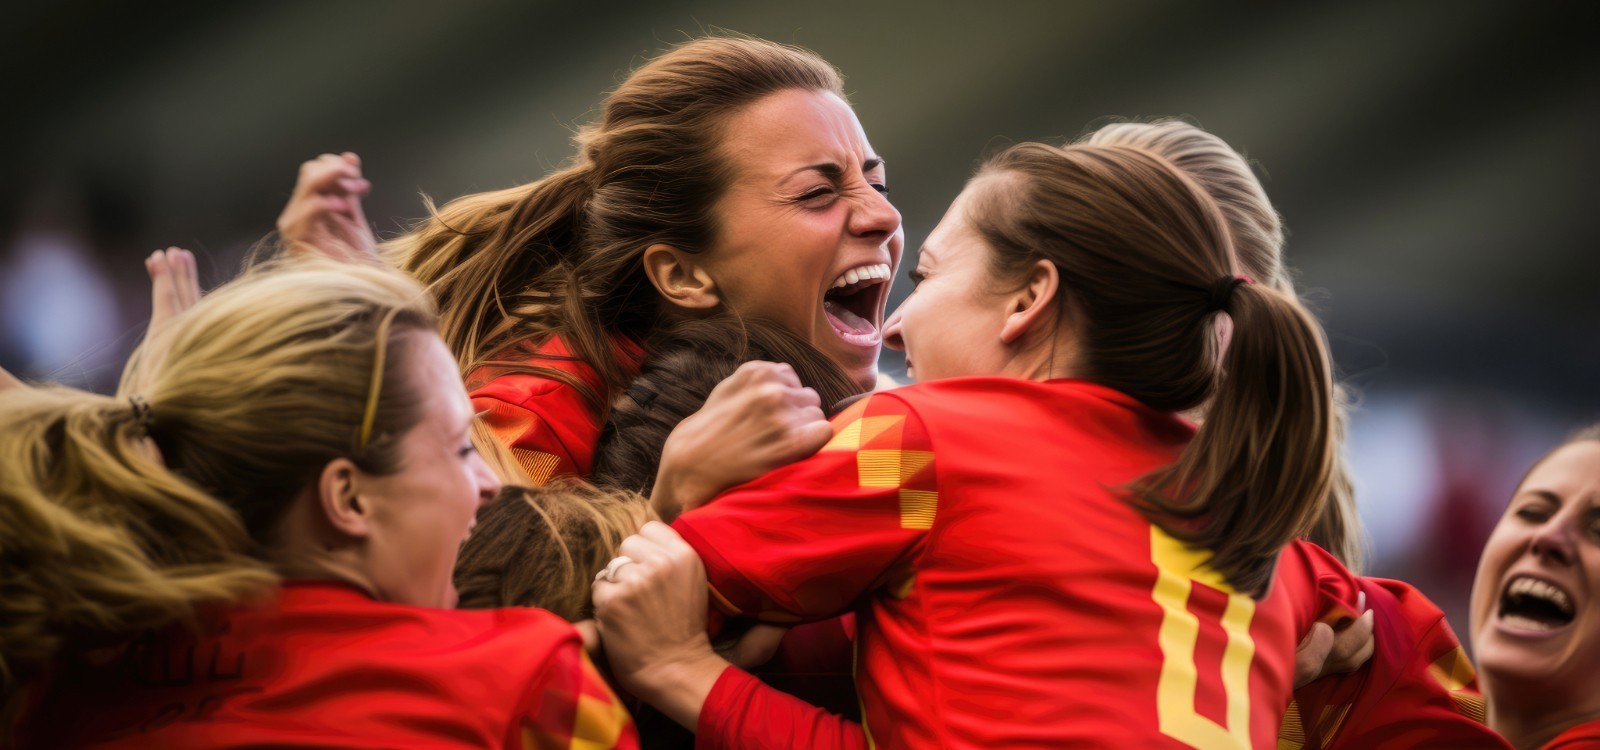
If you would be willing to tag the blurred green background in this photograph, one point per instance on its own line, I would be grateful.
(1435, 163)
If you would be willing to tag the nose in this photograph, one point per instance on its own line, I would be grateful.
(891, 333)
(1553, 541)
(876, 217)
(488, 483)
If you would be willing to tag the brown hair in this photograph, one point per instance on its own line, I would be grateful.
(122, 514)
(1258, 238)
(561, 255)
(687, 362)
(541, 547)
(1142, 252)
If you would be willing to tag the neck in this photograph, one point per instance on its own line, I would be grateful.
(1530, 723)
(305, 549)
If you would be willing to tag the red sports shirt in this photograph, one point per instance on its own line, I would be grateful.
(549, 426)
(1006, 595)
(1581, 737)
(324, 665)
(1418, 690)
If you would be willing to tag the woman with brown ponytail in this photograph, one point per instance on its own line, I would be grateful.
(728, 174)
(1039, 549)
(252, 544)
(1419, 686)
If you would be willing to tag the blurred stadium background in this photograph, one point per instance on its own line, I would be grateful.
(1435, 162)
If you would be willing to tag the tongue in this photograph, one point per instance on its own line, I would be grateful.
(849, 321)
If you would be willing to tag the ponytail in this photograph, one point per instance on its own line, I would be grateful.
(1147, 263)
(98, 540)
(1258, 472)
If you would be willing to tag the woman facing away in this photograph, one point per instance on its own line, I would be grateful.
(727, 174)
(1419, 687)
(1536, 604)
(1035, 520)
(253, 543)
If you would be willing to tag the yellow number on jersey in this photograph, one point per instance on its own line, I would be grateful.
(1179, 567)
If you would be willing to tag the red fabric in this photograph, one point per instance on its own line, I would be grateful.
(1418, 690)
(781, 721)
(1005, 595)
(549, 426)
(323, 665)
(1581, 737)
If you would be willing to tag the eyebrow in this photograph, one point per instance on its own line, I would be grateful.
(833, 171)
(1545, 495)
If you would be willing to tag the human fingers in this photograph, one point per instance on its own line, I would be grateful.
(1353, 645)
(589, 631)
(186, 276)
(1311, 655)
(164, 303)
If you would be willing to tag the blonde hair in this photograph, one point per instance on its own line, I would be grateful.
(1258, 238)
(123, 514)
(541, 546)
(561, 256)
(1146, 262)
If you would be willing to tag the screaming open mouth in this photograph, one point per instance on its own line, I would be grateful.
(1528, 603)
(853, 301)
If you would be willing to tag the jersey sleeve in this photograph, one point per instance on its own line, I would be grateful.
(808, 540)
(743, 712)
(529, 433)
(569, 705)
(1418, 690)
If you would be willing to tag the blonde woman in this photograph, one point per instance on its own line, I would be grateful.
(1536, 604)
(252, 543)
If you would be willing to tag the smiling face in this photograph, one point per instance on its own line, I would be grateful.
(806, 236)
(422, 513)
(1536, 599)
(950, 325)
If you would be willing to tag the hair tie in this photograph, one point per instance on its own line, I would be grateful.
(1221, 293)
(141, 412)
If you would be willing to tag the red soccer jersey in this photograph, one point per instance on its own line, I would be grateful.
(1581, 737)
(550, 427)
(324, 665)
(1006, 595)
(1418, 690)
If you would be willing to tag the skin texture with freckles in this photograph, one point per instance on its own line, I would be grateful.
(807, 202)
(1540, 681)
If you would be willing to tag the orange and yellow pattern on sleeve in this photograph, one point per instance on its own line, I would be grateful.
(576, 709)
(808, 540)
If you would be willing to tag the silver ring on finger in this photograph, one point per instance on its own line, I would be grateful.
(610, 572)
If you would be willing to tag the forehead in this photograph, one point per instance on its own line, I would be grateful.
(1572, 470)
(438, 385)
(955, 237)
(793, 128)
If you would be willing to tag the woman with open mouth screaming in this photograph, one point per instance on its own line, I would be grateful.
(1535, 624)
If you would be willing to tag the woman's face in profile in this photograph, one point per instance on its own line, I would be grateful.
(1536, 599)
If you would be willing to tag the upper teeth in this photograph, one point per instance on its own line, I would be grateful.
(875, 271)
(1536, 588)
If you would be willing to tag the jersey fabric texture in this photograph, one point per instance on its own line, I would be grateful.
(325, 665)
(1007, 594)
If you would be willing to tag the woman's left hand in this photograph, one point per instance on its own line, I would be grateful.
(651, 612)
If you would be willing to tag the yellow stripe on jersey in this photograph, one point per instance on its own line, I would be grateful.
(599, 724)
(538, 464)
(1178, 567)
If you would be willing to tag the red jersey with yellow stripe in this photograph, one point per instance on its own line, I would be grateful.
(550, 426)
(1006, 595)
(1418, 690)
(324, 665)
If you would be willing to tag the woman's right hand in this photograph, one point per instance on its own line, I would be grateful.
(324, 215)
(760, 418)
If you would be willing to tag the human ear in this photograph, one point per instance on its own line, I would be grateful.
(1033, 303)
(339, 497)
(680, 278)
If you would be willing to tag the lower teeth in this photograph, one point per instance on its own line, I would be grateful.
(1527, 623)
